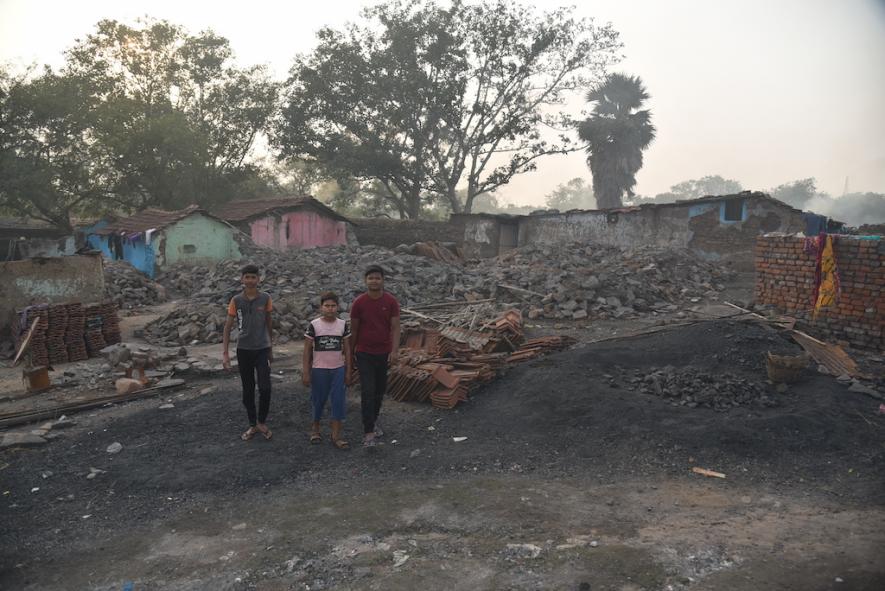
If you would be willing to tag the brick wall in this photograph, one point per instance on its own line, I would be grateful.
(785, 279)
(391, 233)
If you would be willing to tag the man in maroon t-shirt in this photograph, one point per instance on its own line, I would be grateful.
(374, 322)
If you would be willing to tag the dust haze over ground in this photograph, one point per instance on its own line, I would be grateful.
(570, 477)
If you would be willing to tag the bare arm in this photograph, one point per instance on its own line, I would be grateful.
(225, 342)
(348, 361)
(354, 334)
(268, 316)
(394, 338)
(306, 361)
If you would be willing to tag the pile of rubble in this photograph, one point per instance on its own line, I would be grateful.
(127, 287)
(579, 281)
(692, 388)
(570, 281)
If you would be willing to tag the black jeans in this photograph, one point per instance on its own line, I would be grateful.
(373, 384)
(252, 362)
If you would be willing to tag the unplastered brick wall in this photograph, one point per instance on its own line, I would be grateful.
(391, 233)
(785, 279)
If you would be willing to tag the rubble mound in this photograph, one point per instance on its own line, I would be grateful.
(199, 323)
(693, 388)
(127, 287)
(565, 281)
(592, 281)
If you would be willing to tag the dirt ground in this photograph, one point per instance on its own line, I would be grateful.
(567, 479)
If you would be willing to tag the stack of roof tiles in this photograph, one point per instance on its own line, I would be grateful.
(75, 332)
(55, 334)
(94, 338)
(446, 365)
(110, 323)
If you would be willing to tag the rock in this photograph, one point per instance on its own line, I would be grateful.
(115, 448)
(580, 314)
(165, 406)
(128, 385)
(523, 550)
(169, 383)
(18, 439)
(861, 388)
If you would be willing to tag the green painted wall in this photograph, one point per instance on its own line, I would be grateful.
(195, 239)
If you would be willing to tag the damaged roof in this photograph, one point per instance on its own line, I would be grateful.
(28, 227)
(640, 206)
(152, 219)
(241, 211)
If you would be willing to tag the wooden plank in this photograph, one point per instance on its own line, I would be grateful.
(705, 472)
(26, 343)
(831, 356)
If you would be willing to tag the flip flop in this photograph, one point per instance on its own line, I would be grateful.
(315, 438)
(248, 434)
(340, 444)
(267, 434)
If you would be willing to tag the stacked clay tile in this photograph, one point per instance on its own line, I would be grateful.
(110, 327)
(94, 338)
(75, 333)
(55, 334)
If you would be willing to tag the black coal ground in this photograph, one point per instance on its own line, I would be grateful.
(554, 416)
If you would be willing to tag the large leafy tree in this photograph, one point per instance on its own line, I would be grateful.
(51, 170)
(176, 119)
(617, 131)
(428, 100)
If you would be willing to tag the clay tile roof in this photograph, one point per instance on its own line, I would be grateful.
(25, 224)
(151, 219)
(241, 211)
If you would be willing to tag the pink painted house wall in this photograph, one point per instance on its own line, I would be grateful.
(298, 229)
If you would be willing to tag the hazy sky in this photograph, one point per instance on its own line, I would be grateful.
(761, 91)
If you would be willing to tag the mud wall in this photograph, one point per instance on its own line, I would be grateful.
(49, 280)
(703, 227)
(391, 233)
(715, 237)
(785, 280)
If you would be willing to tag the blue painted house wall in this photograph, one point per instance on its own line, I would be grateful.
(138, 254)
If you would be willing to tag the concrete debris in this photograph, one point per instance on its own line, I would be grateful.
(577, 282)
(18, 439)
(129, 288)
(115, 447)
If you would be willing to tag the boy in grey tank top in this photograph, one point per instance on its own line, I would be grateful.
(251, 310)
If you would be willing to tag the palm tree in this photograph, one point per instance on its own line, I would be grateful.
(616, 133)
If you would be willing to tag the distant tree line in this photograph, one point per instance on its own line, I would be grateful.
(416, 108)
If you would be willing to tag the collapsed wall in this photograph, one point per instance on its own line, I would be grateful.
(785, 278)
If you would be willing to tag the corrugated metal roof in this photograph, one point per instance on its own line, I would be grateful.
(152, 219)
(241, 211)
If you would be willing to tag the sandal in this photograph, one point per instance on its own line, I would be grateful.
(340, 444)
(315, 438)
(249, 434)
(266, 432)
